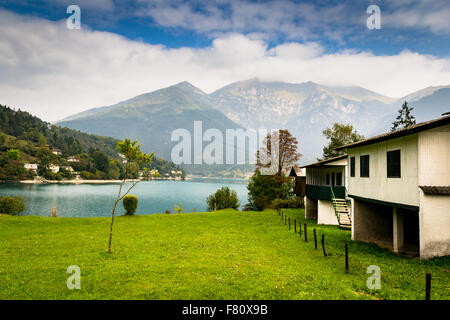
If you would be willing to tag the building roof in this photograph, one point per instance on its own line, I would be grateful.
(323, 162)
(296, 171)
(440, 190)
(399, 133)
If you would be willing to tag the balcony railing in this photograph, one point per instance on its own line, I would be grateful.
(324, 192)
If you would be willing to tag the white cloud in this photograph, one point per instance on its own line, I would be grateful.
(54, 72)
(433, 15)
(297, 51)
(293, 20)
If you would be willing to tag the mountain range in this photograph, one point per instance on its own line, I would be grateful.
(305, 109)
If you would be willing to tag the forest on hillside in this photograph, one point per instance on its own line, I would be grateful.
(25, 138)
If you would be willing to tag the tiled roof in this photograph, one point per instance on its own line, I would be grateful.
(441, 190)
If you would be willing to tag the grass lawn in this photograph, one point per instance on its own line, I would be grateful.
(223, 255)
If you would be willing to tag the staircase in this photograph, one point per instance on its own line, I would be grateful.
(342, 211)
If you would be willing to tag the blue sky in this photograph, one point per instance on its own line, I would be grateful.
(126, 48)
(415, 25)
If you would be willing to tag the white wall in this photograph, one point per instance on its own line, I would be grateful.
(325, 213)
(434, 170)
(434, 157)
(434, 224)
(404, 190)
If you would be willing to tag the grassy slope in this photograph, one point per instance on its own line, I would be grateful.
(224, 255)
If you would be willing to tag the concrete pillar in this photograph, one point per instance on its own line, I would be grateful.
(397, 230)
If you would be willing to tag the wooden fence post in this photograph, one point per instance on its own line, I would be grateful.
(323, 246)
(289, 223)
(54, 212)
(295, 226)
(428, 286)
(346, 257)
(315, 239)
(306, 233)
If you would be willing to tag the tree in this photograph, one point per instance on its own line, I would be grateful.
(223, 198)
(263, 189)
(134, 156)
(279, 151)
(404, 119)
(45, 157)
(339, 135)
(13, 154)
(101, 161)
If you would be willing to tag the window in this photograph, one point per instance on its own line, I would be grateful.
(393, 164)
(364, 166)
(339, 179)
(328, 178)
(352, 166)
(332, 179)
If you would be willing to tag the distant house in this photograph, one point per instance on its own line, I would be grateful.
(325, 195)
(299, 176)
(54, 168)
(57, 152)
(400, 185)
(67, 168)
(31, 166)
(73, 159)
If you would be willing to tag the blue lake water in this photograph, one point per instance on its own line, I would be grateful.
(94, 200)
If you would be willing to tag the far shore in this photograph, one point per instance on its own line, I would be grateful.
(74, 181)
(101, 181)
(83, 181)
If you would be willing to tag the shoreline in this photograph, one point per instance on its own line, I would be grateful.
(74, 181)
(80, 181)
(99, 181)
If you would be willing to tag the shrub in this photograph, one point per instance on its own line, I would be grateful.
(263, 189)
(296, 202)
(87, 175)
(130, 203)
(11, 205)
(223, 198)
(178, 209)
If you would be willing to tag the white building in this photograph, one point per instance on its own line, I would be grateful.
(325, 194)
(400, 185)
(57, 152)
(68, 168)
(73, 159)
(54, 168)
(31, 166)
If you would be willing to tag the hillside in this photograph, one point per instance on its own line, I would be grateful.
(37, 140)
(305, 109)
(151, 118)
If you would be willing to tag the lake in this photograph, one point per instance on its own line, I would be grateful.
(94, 200)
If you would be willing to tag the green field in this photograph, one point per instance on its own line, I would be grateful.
(222, 255)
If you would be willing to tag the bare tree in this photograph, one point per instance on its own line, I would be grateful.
(134, 157)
